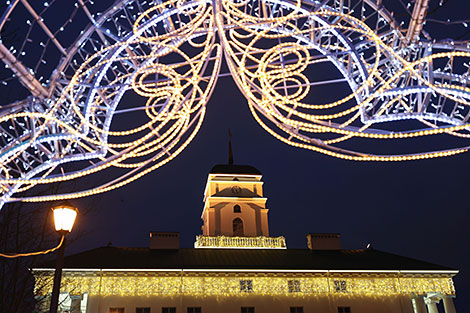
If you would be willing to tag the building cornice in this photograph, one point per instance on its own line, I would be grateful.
(260, 270)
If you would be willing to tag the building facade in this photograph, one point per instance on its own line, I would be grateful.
(236, 267)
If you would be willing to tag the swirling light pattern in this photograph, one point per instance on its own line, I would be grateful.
(130, 93)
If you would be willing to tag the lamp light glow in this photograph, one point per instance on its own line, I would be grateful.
(64, 217)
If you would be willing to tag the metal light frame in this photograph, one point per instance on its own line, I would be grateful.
(170, 53)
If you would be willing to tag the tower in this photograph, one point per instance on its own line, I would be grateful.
(235, 213)
(234, 205)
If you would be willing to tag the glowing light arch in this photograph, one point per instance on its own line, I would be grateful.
(168, 56)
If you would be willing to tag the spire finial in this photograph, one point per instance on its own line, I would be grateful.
(230, 152)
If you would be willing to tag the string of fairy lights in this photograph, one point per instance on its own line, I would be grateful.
(166, 57)
(229, 285)
(284, 110)
(260, 242)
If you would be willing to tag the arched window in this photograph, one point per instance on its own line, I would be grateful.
(237, 209)
(238, 227)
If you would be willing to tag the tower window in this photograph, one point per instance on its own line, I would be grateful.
(116, 310)
(169, 310)
(237, 209)
(248, 309)
(142, 310)
(238, 227)
(194, 310)
(344, 309)
(296, 309)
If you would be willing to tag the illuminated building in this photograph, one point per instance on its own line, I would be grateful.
(236, 267)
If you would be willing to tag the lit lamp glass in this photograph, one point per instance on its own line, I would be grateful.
(64, 217)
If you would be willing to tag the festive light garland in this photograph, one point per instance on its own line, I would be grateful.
(260, 242)
(18, 255)
(170, 60)
(228, 284)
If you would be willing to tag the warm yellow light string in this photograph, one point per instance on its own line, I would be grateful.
(175, 101)
(138, 142)
(280, 100)
(17, 255)
(227, 284)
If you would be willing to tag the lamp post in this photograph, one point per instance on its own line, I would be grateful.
(64, 218)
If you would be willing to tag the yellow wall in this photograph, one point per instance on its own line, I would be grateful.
(279, 304)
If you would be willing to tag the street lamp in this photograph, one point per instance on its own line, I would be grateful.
(64, 218)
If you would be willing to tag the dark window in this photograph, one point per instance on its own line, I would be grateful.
(340, 285)
(238, 227)
(296, 309)
(142, 310)
(294, 285)
(248, 309)
(116, 310)
(237, 209)
(344, 309)
(246, 285)
(168, 310)
(194, 310)
(235, 179)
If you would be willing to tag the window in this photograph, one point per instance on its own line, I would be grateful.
(340, 285)
(248, 309)
(168, 310)
(246, 285)
(194, 310)
(116, 310)
(294, 285)
(238, 227)
(344, 309)
(237, 209)
(142, 310)
(296, 309)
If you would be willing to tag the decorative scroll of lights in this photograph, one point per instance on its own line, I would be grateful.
(128, 93)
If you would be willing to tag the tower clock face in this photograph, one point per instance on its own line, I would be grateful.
(236, 189)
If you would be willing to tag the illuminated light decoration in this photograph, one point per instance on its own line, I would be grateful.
(169, 284)
(166, 57)
(260, 242)
(64, 217)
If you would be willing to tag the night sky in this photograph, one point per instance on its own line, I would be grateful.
(417, 209)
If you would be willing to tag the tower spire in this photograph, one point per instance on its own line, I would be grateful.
(230, 152)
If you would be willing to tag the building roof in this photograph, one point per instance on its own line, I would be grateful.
(244, 259)
(234, 169)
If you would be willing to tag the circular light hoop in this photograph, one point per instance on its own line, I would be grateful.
(299, 82)
(272, 61)
(170, 87)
